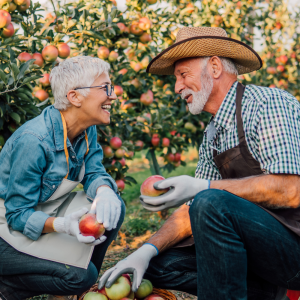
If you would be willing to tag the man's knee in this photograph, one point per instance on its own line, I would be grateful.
(79, 280)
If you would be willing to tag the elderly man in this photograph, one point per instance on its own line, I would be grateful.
(243, 211)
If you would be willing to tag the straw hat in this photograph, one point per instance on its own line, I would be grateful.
(205, 41)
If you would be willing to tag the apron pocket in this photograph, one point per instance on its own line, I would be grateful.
(48, 188)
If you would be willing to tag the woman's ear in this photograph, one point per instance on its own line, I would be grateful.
(74, 98)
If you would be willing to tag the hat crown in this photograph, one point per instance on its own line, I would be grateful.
(190, 32)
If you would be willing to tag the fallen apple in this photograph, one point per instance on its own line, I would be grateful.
(144, 289)
(120, 289)
(89, 226)
(147, 188)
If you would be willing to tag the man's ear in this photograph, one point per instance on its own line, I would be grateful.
(217, 67)
(75, 98)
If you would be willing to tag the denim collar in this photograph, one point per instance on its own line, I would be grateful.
(226, 112)
(59, 130)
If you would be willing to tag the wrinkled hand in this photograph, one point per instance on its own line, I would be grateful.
(136, 264)
(107, 207)
(70, 225)
(182, 189)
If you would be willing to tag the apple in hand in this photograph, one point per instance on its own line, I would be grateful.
(144, 289)
(94, 296)
(120, 289)
(89, 226)
(147, 188)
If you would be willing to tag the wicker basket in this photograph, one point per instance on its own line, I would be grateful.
(163, 293)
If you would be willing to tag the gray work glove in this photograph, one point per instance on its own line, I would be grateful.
(182, 189)
(136, 263)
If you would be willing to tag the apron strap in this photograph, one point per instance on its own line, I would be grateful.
(65, 142)
(239, 96)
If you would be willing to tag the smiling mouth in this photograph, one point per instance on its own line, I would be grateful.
(106, 108)
(188, 98)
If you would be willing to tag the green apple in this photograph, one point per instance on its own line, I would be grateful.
(94, 296)
(120, 289)
(144, 289)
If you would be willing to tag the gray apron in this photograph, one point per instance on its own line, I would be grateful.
(58, 247)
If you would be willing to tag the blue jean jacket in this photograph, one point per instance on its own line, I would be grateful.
(33, 164)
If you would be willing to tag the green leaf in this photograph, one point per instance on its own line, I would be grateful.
(130, 179)
(32, 78)
(15, 116)
(15, 70)
(11, 54)
(10, 80)
(3, 76)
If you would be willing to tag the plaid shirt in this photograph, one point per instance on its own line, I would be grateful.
(271, 120)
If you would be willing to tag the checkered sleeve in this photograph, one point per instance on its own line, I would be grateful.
(279, 134)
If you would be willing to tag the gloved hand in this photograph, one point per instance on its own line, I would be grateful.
(70, 225)
(136, 263)
(107, 207)
(183, 189)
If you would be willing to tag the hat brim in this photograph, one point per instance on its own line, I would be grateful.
(244, 57)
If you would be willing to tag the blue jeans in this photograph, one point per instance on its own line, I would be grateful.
(23, 276)
(241, 252)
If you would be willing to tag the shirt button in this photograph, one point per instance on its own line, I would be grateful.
(53, 186)
(73, 156)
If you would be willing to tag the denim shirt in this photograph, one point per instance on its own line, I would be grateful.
(33, 164)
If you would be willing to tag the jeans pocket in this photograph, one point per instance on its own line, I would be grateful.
(294, 283)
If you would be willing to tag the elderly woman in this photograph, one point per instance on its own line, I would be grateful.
(41, 248)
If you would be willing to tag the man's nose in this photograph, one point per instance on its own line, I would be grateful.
(179, 87)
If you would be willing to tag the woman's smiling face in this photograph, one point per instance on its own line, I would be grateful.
(96, 105)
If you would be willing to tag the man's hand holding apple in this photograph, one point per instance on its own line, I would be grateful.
(181, 189)
(136, 263)
(107, 207)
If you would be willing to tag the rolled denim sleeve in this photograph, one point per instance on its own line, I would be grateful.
(95, 173)
(28, 159)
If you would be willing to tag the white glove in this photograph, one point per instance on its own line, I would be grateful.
(70, 225)
(136, 263)
(107, 207)
(183, 189)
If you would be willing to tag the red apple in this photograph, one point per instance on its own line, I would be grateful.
(118, 90)
(122, 27)
(147, 189)
(122, 162)
(24, 56)
(119, 153)
(136, 83)
(177, 164)
(128, 277)
(41, 95)
(147, 98)
(202, 125)
(113, 56)
(170, 157)
(283, 59)
(280, 68)
(5, 18)
(272, 86)
(135, 28)
(63, 50)
(89, 226)
(108, 152)
(120, 289)
(123, 43)
(145, 62)
(19, 2)
(145, 23)
(94, 296)
(154, 297)
(155, 141)
(145, 38)
(103, 52)
(8, 30)
(121, 186)
(165, 142)
(271, 70)
(144, 289)
(139, 145)
(177, 157)
(137, 67)
(129, 154)
(24, 6)
(115, 142)
(151, 1)
(173, 132)
(45, 80)
(38, 59)
(50, 53)
(123, 71)
(190, 7)
(12, 7)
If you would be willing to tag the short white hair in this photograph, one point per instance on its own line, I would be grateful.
(227, 63)
(78, 71)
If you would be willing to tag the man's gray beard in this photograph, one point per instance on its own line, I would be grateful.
(201, 97)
